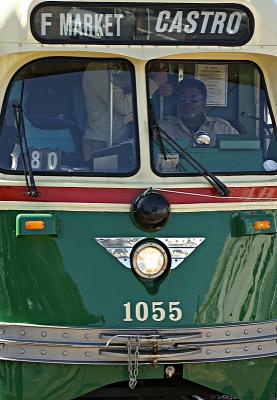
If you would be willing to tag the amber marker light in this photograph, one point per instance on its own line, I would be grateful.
(262, 224)
(34, 225)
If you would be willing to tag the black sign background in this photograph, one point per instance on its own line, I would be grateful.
(124, 23)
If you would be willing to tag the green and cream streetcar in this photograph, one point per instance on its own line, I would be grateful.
(138, 200)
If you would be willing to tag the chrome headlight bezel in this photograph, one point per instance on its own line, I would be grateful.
(142, 248)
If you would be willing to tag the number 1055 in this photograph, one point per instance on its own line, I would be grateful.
(157, 311)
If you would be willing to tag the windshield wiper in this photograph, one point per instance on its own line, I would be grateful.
(27, 166)
(217, 184)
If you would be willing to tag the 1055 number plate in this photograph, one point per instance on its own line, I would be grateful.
(156, 311)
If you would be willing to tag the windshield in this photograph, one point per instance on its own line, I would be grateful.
(79, 116)
(216, 111)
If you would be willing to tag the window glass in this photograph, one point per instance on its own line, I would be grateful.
(77, 116)
(216, 112)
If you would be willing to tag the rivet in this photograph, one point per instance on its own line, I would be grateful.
(246, 349)
(22, 332)
(208, 334)
(43, 352)
(65, 353)
(65, 335)
(87, 353)
(43, 333)
(170, 371)
(260, 348)
(22, 351)
(246, 332)
(208, 352)
(228, 333)
(227, 350)
(2, 331)
(155, 362)
(259, 330)
(87, 335)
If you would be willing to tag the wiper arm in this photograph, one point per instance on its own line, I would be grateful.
(217, 184)
(27, 167)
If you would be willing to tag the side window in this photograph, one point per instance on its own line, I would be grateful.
(216, 111)
(71, 116)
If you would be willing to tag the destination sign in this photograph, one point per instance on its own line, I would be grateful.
(122, 23)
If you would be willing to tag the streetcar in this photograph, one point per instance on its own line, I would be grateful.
(138, 197)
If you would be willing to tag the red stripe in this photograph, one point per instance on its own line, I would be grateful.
(127, 195)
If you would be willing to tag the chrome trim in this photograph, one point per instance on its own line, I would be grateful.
(179, 248)
(77, 345)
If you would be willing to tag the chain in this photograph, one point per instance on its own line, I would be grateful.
(133, 365)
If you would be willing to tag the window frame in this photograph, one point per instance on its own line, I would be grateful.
(206, 61)
(78, 173)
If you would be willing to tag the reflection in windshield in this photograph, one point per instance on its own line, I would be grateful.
(216, 111)
(78, 117)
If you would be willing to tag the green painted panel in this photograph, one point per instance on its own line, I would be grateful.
(246, 380)
(228, 156)
(70, 279)
(246, 142)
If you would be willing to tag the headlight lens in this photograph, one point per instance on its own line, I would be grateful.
(149, 260)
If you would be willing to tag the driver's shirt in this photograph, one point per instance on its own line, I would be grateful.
(175, 127)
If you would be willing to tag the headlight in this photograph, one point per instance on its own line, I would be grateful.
(150, 211)
(149, 260)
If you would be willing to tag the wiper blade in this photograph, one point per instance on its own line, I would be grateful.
(27, 167)
(217, 184)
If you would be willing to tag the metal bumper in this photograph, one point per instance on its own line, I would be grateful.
(77, 345)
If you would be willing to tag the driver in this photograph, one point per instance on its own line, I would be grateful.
(191, 120)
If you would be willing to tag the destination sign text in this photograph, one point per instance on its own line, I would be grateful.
(144, 24)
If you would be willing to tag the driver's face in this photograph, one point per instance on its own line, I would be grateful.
(190, 103)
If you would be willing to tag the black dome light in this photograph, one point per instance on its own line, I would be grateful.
(150, 211)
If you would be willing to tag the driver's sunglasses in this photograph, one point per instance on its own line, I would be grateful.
(189, 99)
